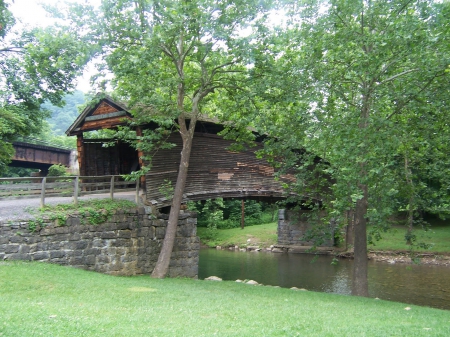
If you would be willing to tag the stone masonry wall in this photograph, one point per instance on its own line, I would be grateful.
(292, 226)
(127, 244)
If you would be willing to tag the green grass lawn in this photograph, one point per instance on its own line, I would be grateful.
(437, 236)
(259, 235)
(38, 299)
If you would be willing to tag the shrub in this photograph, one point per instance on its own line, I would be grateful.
(57, 170)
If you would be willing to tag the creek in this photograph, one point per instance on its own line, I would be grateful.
(425, 285)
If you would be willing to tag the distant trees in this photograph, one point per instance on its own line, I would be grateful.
(62, 117)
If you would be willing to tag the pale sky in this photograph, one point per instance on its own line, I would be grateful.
(29, 12)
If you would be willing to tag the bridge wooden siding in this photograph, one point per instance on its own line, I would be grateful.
(214, 171)
(39, 156)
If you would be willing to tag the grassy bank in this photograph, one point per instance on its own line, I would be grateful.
(260, 235)
(437, 237)
(40, 299)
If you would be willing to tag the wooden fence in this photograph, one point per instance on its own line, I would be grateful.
(70, 186)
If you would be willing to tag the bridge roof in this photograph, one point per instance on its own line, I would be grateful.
(105, 113)
(102, 113)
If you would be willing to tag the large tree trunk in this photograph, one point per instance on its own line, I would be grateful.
(162, 265)
(360, 284)
(409, 182)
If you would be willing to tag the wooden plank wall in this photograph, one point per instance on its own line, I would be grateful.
(213, 172)
(113, 160)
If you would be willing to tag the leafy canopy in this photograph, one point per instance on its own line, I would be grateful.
(36, 65)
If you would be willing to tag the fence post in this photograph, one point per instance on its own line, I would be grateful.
(75, 190)
(137, 191)
(43, 191)
(111, 188)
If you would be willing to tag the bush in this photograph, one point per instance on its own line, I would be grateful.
(57, 170)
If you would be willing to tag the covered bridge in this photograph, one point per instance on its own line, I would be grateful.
(214, 170)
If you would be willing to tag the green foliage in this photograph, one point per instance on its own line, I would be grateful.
(15, 172)
(92, 212)
(166, 189)
(363, 87)
(36, 65)
(33, 225)
(223, 214)
(57, 170)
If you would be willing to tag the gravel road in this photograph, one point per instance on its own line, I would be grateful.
(23, 209)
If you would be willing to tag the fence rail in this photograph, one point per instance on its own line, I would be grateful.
(70, 186)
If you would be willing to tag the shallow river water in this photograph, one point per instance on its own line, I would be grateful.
(414, 284)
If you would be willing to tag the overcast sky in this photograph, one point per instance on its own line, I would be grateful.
(29, 12)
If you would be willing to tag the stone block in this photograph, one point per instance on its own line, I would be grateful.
(120, 243)
(105, 259)
(92, 251)
(61, 230)
(16, 239)
(10, 249)
(54, 245)
(57, 254)
(146, 223)
(79, 245)
(74, 237)
(47, 231)
(144, 232)
(76, 261)
(24, 249)
(73, 221)
(4, 240)
(160, 232)
(108, 235)
(97, 243)
(126, 234)
(18, 256)
(38, 256)
(192, 221)
(159, 223)
(89, 260)
(87, 235)
(122, 225)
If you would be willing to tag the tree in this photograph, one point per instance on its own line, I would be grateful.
(169, 59)
(357, 78)
(36, 65)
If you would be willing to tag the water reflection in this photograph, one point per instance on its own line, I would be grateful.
(415, 284)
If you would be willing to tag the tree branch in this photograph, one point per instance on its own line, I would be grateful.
(401, 106)
(13, 50)
(398, 75)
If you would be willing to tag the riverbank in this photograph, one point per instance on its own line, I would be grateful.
(391, 249)
(43, 299)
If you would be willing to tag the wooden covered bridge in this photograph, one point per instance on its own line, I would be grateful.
(39, 155)
(214, 170)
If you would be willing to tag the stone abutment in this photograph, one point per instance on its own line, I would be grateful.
(128, 243)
